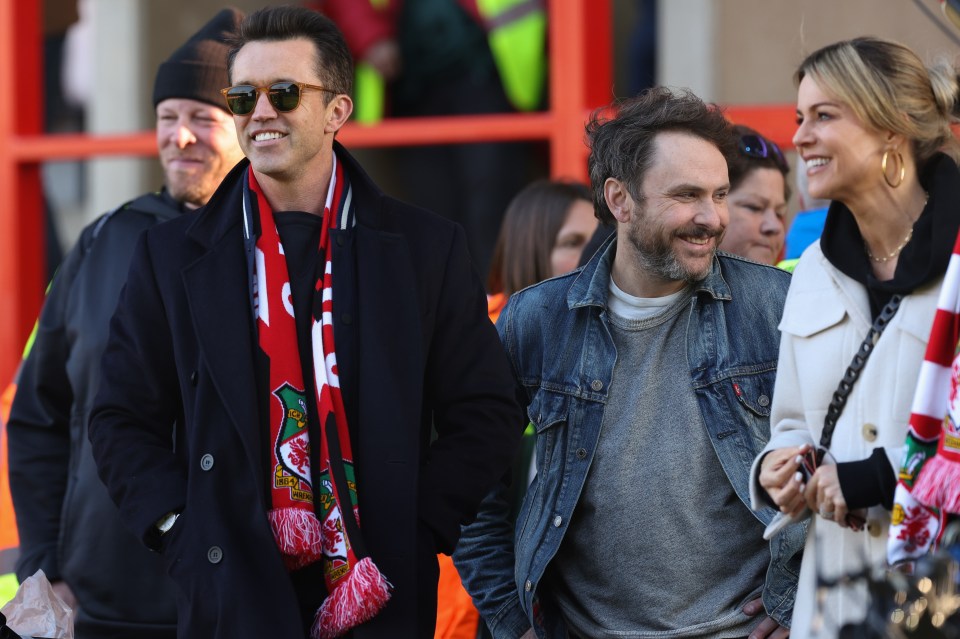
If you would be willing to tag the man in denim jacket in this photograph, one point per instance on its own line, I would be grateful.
(648, 375)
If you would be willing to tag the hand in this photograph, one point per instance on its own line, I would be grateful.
(384, 56)
(768, 628)
(823, 495)
(529, 634)
(63, 591)
(780, 476)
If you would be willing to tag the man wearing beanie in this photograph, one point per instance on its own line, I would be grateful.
(68, 526)
(306, 333)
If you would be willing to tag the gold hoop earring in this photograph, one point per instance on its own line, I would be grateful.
(883, 169)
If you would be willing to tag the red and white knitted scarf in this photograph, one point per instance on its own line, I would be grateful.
(356, 588)
(929, 480)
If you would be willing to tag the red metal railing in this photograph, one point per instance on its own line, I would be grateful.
(21, 219)
(579, 44)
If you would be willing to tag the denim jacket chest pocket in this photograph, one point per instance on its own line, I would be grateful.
(752, 394)
(549, 413)
(567, 428)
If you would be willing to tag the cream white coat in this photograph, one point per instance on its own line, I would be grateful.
(826, 317)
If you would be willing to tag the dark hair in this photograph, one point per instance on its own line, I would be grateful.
(622, 147)
(889, 88)
(741, 164)
(334, 63)
(528, 232)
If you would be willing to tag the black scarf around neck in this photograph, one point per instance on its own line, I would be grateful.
(926, 255)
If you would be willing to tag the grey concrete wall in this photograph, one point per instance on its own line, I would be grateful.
(756, 45)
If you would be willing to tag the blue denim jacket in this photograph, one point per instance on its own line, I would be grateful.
(557, 338)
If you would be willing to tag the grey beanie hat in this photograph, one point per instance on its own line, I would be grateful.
(198, 69)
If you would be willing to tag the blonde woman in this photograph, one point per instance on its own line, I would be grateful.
(873, 129)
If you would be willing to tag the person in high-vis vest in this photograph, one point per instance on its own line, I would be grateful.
(439, 57)
(515, 32)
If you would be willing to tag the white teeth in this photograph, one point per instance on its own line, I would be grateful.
(815, 162)
(698, 240)
(268, 135)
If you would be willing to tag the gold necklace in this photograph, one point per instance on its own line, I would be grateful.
(896, 251)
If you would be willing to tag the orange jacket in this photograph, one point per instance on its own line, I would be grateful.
(495, 304)
(8, 523)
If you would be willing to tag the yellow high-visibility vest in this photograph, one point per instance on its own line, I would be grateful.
(516, 33)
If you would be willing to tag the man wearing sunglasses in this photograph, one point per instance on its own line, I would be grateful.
(305, 333)
(648, 376)
(68, 525)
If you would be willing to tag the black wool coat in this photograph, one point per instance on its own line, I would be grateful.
(175, 426)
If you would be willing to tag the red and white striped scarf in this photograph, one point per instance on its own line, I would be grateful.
(356, 588)
(929, 480)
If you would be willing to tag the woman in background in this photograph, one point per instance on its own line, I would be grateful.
(544, 230)
(758, 198)
(874, 134)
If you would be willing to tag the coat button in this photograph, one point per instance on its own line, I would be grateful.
(528, 586)
(870, 432)
(206, 462)
(874, 528)
(763, 400)
(557, 521)
(215, 555)
(346, 318)
(340, 240)
(596, 385)
(582, 453)
(193, 378)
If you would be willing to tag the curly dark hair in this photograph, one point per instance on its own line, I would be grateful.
(622, 147)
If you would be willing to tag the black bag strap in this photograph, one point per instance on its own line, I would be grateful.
(842, 393)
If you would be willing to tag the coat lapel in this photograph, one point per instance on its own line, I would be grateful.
(221, 317)
(218, 293)
(389, 373)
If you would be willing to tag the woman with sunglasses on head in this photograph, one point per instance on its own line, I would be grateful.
(758, 198)
(873, 129)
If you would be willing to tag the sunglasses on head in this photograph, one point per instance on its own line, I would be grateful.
(755, 146)
(283, 96)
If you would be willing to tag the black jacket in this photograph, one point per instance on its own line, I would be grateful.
(68, 525)
(414, 349)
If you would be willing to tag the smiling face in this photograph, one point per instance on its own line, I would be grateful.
(198, 147)
(286, 147)
(576, 231)
(757, 209)
(669, 238)
(842, 155)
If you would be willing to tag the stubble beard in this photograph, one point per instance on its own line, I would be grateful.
(191, 192)
(195, 188)
(654, 251)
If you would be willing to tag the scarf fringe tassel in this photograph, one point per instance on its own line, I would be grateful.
(360, 596)
(938, 485)
(298, 534)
